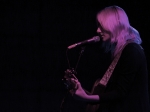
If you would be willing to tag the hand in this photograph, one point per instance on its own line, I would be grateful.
(78, 93)
(69, 79)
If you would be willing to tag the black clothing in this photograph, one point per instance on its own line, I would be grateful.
(127, 89)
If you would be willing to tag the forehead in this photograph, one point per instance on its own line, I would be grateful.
(98, 17)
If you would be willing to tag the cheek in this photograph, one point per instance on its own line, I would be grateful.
(107, 36)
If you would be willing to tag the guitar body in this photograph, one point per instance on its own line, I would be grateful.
(97, 89)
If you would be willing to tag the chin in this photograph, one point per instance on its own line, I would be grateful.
(104, 39)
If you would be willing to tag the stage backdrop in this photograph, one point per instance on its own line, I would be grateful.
(33, 54)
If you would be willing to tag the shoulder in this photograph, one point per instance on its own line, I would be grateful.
(133, 47)
(133, 50)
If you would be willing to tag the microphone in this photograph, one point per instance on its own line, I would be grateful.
(88, 41)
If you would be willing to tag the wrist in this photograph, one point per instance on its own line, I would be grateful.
(92, 98)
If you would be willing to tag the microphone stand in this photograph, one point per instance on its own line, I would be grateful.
(67, 93)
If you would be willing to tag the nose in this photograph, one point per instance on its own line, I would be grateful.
(99, 30)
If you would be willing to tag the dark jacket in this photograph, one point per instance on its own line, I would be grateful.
(127, 89)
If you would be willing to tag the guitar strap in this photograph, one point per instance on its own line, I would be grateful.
(104, 80)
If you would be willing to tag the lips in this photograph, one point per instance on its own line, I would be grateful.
(101, 35)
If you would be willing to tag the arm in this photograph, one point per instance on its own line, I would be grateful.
(123, 78)
(83, 95)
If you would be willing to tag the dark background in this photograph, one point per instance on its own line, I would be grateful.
(33, 41)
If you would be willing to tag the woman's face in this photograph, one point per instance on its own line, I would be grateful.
(105, 35)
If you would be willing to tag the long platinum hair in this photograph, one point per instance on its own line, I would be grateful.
(114, 20)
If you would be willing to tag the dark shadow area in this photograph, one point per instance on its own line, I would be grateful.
(34, 38)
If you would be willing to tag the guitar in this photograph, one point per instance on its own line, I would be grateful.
(97, 89)
(69, 75)
(69, 84)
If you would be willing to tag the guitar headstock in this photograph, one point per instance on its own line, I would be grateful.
(69, 74)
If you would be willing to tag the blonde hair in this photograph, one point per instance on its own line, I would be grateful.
(114, 20)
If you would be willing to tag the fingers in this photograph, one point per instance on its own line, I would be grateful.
(74, 77)
(77, 84)
(72, 91)
(75, 81)
(74, 86)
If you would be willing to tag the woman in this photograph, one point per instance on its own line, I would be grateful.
(127, 88)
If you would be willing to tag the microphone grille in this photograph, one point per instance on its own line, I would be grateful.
(96, 38)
